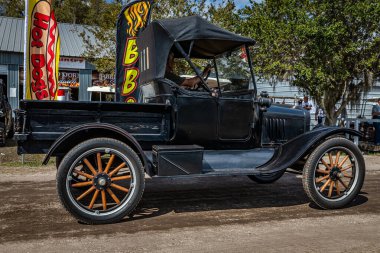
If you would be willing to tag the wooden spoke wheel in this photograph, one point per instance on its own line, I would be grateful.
(100, 181)
(334, 173)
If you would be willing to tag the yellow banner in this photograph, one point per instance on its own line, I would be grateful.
(42, 57)
(132, 20)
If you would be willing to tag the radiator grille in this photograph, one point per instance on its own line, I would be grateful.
(275, 129)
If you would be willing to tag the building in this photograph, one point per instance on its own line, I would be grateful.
(284, 92)
(79, 76)
(75, 73)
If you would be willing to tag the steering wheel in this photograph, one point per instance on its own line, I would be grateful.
(208, 74)
(203, 85)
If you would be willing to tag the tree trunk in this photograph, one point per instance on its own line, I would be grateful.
(330, 117)
(328, 106)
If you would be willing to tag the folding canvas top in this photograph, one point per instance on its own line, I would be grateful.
(198, 38)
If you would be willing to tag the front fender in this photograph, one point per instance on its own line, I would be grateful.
(85, 132)
(290, 152)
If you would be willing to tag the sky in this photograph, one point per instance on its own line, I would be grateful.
(239, 3)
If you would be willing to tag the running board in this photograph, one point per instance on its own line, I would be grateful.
(181, 160)
(235, 162)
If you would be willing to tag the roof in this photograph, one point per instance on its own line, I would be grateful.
(210, 40)
(12, 39)
(195, 35)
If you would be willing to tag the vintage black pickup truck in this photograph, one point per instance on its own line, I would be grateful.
(104, 151)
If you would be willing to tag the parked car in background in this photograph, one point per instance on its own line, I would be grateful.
(6, 119)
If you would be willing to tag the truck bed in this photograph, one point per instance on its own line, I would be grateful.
(45, 121)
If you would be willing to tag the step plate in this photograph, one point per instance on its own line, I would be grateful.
(235, 161)
(230, 162)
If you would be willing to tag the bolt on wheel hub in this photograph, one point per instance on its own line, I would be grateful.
(102, 181)
(335, 173)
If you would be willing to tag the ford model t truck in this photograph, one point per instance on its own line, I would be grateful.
(105, 150)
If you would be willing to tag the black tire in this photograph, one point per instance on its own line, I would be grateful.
(68, 179)
(11, 131)
(331, 182)
(267, 179)
(2, 134)
(58, 160)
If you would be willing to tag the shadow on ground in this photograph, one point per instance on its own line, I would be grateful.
(31, 209)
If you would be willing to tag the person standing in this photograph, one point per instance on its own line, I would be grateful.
(306, 104)
(319, 115)
(376, 115)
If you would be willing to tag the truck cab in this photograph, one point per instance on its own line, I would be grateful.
(225, 112)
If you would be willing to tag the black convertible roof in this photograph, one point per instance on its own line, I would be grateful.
(198, 38)
(210, 39)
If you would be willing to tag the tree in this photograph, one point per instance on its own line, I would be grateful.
(101, 46)
(331, 48)
(179, 8)
(13, 8)
(101, 51)
(225, 15)
(68, 11)
(72, 11)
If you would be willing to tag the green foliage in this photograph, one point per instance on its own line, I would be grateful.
(179, 8)
(225, 15)
(102, 51)
(331, 48)
(13, 8)
(71, 11)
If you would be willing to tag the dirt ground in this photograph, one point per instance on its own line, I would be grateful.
(219, 214)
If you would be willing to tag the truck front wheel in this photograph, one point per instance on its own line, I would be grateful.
(100, 181)
(334, 173)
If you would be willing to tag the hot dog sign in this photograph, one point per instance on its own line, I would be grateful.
(42, 47)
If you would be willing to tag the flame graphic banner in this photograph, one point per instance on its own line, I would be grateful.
(42, 51)
(132, 20)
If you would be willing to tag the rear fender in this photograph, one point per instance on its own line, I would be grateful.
(85, 132)
(295, 149)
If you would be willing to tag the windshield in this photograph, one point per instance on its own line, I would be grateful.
(233, 70)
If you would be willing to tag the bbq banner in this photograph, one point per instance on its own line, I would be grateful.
(134, 17)
(42, 51)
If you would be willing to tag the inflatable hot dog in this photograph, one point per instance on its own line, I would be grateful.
(42, 53)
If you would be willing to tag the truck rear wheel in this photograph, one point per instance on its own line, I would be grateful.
(334, 173)
(100, 181)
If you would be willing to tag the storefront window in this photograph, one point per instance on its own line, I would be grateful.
(103, 87)
(70, 79)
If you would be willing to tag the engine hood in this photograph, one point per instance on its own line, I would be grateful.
(281, 123)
